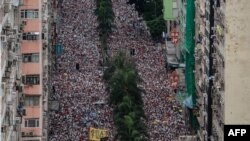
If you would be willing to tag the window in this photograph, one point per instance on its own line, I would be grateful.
(31, 100)
(175, 4)
(31, 79)
(29, 13)
(218, 3)
(30, 36)
(31, 57)
(132, 51)
(31, 122)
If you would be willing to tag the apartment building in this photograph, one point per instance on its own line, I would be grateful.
(208, 72)
(34, 51)
(218, 68)
(201, 66)
(11, 110)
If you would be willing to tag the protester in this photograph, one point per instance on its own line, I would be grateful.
(78, 91)
(165, 121)
(77, 81)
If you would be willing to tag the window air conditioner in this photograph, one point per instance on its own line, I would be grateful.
(15, 30)
(215, 75)
(44, 21)
(207, 61)
(197, 58)
(218, 85)
(204, 95)
(44, 29)
(9, 99)
(18, 120)
(204, 113)
(213, 107)
(204, 132)
(214, 61)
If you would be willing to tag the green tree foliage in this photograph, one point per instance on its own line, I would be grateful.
(151, 10)
(122, 83)
(105, 18)
(157, 26)
(126, 98)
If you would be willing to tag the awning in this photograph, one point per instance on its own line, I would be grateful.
(171, 50)
(172, 61)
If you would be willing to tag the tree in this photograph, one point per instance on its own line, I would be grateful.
(105, 18)
(151, 10)
(126, 98)
(128, 120)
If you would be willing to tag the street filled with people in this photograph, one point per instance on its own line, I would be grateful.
(77, 78)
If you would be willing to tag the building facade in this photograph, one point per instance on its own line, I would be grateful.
(237, 64)
(34, 17)
(218, 68)
(10, 90)
(209, 70)
(202, 66)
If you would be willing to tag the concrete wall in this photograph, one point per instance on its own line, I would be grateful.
(237, 62)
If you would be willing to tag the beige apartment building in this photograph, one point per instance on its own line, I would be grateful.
(237, 62)
(34, 52)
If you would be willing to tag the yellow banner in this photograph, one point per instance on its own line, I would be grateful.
(97, 134)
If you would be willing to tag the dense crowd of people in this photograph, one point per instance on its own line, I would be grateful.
(164, 112)
(77, 80)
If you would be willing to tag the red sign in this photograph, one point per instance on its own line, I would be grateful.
(174, 40)
(174, 36)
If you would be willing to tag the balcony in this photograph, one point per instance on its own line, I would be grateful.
(200, 84)
(201, 6)
(218, 129)
(219, 45)
(187, 138)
